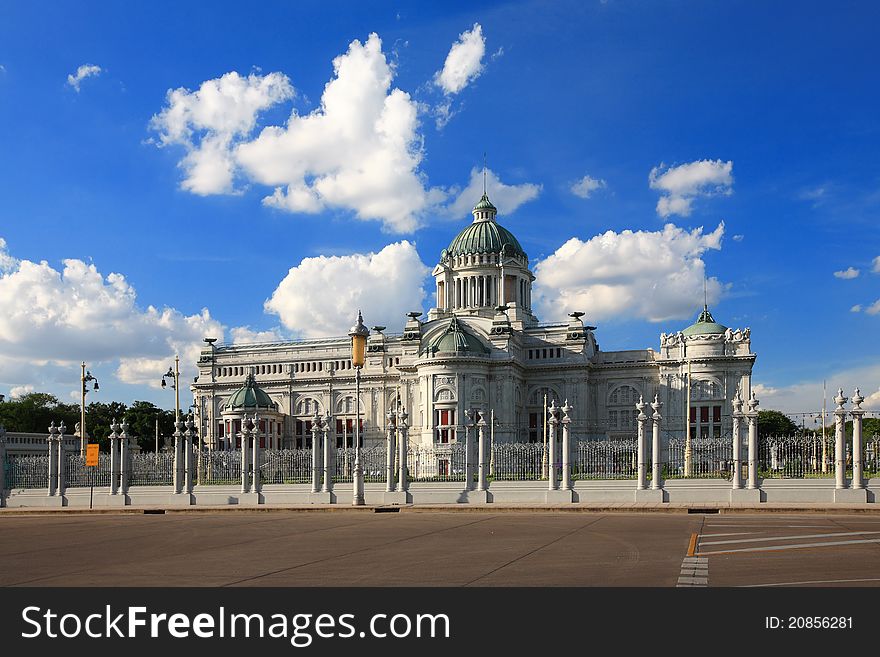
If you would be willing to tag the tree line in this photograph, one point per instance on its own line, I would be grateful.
(32, 413)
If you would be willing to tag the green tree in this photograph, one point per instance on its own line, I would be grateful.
(99, 417)
(141, 417)
(33, 412)
(775, 423)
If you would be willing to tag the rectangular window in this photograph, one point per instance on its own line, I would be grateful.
(693, 414)
(612, 419)
(533, 427)
(716, 414)
(704, 413)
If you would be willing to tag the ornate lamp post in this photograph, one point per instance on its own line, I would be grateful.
(358, 335)
(84, 378)
(174, 377)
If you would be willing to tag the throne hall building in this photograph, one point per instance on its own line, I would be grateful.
(480, 347)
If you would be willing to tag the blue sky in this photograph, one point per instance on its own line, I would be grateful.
(760, 116)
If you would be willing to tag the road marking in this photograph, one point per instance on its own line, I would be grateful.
(731, 534)
(771, 548)
(694, 571)
(815, 581)
(783, 538)
(692, 545)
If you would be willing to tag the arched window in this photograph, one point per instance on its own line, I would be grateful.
(622, 414)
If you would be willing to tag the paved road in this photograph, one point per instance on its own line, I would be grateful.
(439, 549)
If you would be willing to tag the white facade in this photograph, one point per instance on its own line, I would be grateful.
(472, 352)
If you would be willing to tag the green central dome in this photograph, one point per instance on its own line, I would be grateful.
(456, 339)
(249, 396)
(705, 325)
(485, 235)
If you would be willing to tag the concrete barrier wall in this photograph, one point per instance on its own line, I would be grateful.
(677, 491)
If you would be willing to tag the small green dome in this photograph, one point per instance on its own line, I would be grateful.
(456, 339)
(485, 237)
(705, 325)
(485, 204)
(249, 396)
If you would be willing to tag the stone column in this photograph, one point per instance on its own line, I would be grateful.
(245, 461)
(403, 439)
(316, 453)
(178, 457)
(481, 457)
(62, 460)
(188, 454)
(389, 452)
(642, 481)
(255, 458)
(2, 466)
(737, 441)
(857, 412)
(123, 457)
(656, 483)
(839, 441)
(566, 446)
(52, 483)
(752, 416)
(114, 457)
(551, 446)
(328, 451)
(468, 449)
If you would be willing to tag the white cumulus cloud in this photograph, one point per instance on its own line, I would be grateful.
(58, 317)
(464, 63)
(655, 275)
(874, 308)
(244, 335)
(21, 391)
(849, 272)
(320, 296)
(209, 122)
(875, 265)
(682, 184)
(586, 186)
(507, 198)
(856, 308)
(83, 72)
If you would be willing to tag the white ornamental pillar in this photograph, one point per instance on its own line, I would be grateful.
(468, 449)
(328, 452)
(389, 452)
(642, 482)
(752, 416)
(62, 460)
(178, 456)
(857, 412)
(255, 458)
(566, 446)
(403, 439)
(737, 441)
(188, 454)
(114, 457)
(245, 461)
(481, 455)
(123, 457)
(2, 466)
(656, 418)
(316, 452)
(839, 441)
(551, 447)
(52, 483)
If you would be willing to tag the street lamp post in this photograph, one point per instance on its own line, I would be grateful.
(84, 378)
(358, 335)
(174, 376)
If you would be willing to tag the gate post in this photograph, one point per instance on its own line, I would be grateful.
(62, 460)
(389, 451)
(737, 441)
(123, 457)
(178, 466)
(642, 482)
(839, 444)
(551, 446)
(468, 449)
(188, 454)
(329, 451)
(403, 432)
(857, 412)
(114, 458)
(481, 462)
(316, 453)
(245, 461)
(566, 446)
(656, 483)
(53, 460)
(255, 454)
(2, 466)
